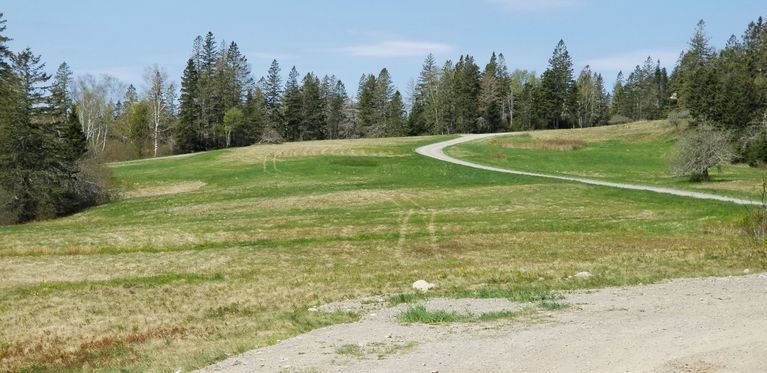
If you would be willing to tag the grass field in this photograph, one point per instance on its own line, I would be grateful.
(216, 253)
(635, 153)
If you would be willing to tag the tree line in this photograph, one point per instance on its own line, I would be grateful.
(44, 170)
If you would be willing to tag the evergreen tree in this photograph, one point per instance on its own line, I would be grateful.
(556, 88)
(367, 112)
(426, 113)
(466, 88)
(60, 100)
(395, 118)
(292, 108)
(272, 88)
(255, 119)
(188, 132)
(313, 105)
(490, 98)
(335, 115)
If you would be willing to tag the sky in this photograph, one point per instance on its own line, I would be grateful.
(351, 37)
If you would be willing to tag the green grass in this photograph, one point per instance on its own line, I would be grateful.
(641, 154)
(350, 349)
(419, 314)
(221, 252)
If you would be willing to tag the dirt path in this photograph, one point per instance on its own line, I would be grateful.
(436, 151)
(690, 325)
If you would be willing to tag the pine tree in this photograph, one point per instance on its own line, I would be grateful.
(556, 88)
(384, 94)
(367, 112)
(313, 106)
(60, 100)
(426, 114)
(490, 98)
(465, 93)
(395, 118)
(254, 121)
(188, 134)
(272, 88)
(336, 102)
(292, 108)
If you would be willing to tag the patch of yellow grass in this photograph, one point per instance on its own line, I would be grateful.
(270, 153)
(630, 132)
(543, 144)
(165, 189)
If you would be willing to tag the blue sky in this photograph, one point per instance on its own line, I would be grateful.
(349, 38)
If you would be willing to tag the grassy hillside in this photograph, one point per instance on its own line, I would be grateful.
(216, 253)
(636, 153)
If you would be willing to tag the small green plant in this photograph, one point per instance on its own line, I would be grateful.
(552, 305)
(404, 298)
(419, 314)
(350, 349)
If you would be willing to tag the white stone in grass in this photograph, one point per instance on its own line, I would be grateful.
(423, 286)
(583, 275)
(746, 271)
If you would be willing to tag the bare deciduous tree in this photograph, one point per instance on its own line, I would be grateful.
(700, 149)
(160, 96)
(96, 99)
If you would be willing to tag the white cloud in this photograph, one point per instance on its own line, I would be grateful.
(398, 48)
(534, 4)
(628, 60)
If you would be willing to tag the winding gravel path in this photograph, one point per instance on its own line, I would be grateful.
(436, 151)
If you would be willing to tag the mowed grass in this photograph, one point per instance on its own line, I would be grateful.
(216, 253)
(638, 153)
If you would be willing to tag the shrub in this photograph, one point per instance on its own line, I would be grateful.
(701, 148)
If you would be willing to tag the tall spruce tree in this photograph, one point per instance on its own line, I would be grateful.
(292, 107)
(556, 88)
(188, 132)
(465, 93)
(313, 109)
(272, 88)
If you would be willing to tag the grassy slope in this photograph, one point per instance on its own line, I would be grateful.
(224, 251)
(636, 153)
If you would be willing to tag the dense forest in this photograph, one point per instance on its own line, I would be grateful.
(53, 132)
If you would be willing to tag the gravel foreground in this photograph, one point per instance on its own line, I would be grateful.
(689, 325)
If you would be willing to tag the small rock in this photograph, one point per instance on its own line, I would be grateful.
(313, 309)
(583, 275)
(178, 370)
(541, 278)
(423, 286)
(746, 271)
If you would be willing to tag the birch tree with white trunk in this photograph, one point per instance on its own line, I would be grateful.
(160, 96)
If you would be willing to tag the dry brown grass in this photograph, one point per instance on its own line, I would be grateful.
(630, 132)
(269, 154)
(544, 144)
(165, 189)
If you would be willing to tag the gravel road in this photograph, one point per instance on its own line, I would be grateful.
(689, 325)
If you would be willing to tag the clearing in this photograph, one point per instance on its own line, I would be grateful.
(211, 255)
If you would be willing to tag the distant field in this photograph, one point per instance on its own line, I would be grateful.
(220, 252)
(636, 153)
